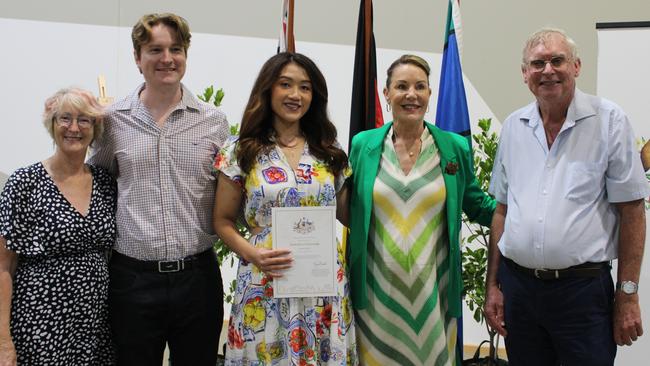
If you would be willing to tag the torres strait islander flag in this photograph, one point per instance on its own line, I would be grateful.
(366, 108)
(452, 113)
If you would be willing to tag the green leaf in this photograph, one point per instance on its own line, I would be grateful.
(234, 129)
(219, 97)
(207, 94)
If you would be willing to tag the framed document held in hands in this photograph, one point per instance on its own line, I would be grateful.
(310, 234)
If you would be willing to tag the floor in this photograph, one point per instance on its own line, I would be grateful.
(468, 351)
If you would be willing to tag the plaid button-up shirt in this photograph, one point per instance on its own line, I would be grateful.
(164, 174)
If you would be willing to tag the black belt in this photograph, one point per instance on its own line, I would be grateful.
(588, 269)
(193, 261)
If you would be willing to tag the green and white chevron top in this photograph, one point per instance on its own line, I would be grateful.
(406, 321)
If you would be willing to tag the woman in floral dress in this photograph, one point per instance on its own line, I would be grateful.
(286, 156)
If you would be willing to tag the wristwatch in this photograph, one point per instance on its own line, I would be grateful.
(627, 287)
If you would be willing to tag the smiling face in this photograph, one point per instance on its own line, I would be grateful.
(408, 93)
(291, 95)
(162, 60)
(69, 135)
(552, 84)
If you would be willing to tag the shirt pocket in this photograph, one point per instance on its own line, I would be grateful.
(194, 158)
(584, 181)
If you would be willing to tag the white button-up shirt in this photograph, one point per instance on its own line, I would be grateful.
(560, 210)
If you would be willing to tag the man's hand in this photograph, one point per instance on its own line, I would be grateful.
(494, 309)
(627, 319)
(493, 296)
(631, 244)
(645, 156)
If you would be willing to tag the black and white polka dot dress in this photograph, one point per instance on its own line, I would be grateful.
(59, 313)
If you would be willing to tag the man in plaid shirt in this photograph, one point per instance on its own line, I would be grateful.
(159, 143)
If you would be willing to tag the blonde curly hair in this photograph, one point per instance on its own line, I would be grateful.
(80, 100)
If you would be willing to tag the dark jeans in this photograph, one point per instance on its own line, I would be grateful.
(183, 309)
(564, 322)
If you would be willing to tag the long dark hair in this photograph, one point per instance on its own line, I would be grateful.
(256, 131)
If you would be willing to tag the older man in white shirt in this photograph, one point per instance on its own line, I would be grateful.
(570, 187)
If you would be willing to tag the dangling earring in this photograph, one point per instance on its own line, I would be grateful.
(388, 106)
(427, 109)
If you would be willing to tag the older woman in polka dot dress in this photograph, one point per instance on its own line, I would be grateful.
(56, 223)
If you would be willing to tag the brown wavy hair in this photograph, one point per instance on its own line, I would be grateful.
(256, 131)
(142, 30)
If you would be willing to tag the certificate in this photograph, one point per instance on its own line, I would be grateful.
(310, 234)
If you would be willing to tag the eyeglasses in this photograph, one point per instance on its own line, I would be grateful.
(555, 61)
(65, 120)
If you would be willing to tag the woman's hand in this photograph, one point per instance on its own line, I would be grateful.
(272, 262)
(228, 199)
(7, 353)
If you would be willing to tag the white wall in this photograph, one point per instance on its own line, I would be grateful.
(46, 56)
(624, 77)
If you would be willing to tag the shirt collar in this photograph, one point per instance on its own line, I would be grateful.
(132, 102)
(579, 109)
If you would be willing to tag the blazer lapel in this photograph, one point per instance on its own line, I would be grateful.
(373, 151)
(371, 165)
(449, 166)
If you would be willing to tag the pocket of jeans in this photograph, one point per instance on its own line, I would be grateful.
(584, 181)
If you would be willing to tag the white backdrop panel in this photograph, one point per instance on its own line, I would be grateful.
(624, 77)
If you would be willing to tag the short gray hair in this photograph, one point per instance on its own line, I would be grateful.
(542, 36)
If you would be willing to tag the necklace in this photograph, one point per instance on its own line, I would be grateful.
(411, 150)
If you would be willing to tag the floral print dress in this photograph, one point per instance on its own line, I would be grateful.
(264, 330)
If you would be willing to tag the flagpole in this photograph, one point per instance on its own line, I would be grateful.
(367, 33)
(291, 46)
(365, 110)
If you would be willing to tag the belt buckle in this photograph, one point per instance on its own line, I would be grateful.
(538, 273)
(171, 266)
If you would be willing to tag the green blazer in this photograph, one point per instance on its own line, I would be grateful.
(463, 193)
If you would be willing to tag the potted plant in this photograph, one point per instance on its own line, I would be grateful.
(475, 245)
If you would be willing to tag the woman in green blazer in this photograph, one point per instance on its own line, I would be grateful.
(410, 182)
